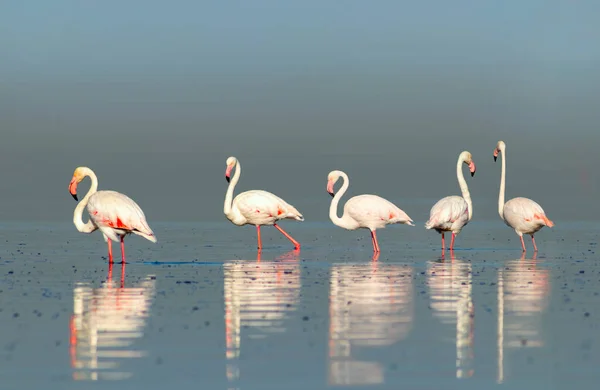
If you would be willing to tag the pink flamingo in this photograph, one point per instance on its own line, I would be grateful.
(452, 213)
(522, 214)
(256, 207)
(363, 211)
(115, 214)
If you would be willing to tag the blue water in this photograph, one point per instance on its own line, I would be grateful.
(202, 308)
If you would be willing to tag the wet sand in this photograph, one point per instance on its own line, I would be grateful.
(200, 309)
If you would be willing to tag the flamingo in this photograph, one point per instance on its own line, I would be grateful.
(115, 214)
(522, 214)
(452, 213)
(256, 207)
(363, 211)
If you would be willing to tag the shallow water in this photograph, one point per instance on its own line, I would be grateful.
(199, 308)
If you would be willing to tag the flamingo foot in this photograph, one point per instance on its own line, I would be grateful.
(296, 243)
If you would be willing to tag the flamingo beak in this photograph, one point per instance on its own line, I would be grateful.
(495, 154)
(330, 188)
(472, 168)
(228, 173)
(73, 188)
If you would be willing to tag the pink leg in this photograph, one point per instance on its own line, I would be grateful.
(296, 243)
(375, 243)
(122, 250)
(452, 242)
(443, 242)
(523, 243)
(534, 246)
(123, 274)
(259, 240)
(110, 258)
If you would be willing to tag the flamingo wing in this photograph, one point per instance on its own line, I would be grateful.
(525, 210)
(446, 212)
(373, 209)
(111, 209)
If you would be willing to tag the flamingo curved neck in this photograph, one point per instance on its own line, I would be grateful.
(502, 185)
(87, 227)
(227, 207)
(344, 221)
(464, 188)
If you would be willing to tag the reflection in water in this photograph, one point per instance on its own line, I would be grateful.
(258, 298)
(523, 290)
(450, 287)
(371, 305)
(106, 321)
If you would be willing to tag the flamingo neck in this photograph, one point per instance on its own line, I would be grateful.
(502, 185)
(87, 227)
(227, 207)
(464, 188)
(344, 222)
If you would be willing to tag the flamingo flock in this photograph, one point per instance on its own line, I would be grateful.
(116, 215)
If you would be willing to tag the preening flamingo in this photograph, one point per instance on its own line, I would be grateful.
(452, 213)
(522, 214)
(115, 214)
(256, 207)
(363, 211)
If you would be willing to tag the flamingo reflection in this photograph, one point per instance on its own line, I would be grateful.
(106, 322)
(259, 297)
(450, 285)
(370, 306)
(523, 291)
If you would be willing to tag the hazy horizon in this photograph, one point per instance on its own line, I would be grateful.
(154, 97)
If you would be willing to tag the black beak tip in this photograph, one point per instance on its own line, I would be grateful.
(472, 174)
(74, 196)
(227, 178)
(495, 158)
(331, 193)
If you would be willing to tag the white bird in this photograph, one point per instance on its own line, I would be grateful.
(522, 214)
(256, 207)
(115, 214)
(363, 211)
(452, 213)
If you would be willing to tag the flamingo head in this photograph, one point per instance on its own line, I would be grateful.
(467, 158)
(78, 176)
(231, 162)
(332, 178)
(499, 148)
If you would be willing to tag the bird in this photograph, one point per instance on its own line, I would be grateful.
(113, 213)
(522, 214)
(256, 207)
(363, 211)
(452, 213)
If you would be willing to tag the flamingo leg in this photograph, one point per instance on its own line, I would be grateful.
(375, 243)
(122, 249)
(123, 274)
(259, 240)
(443, 242)
(110, 258)
(452, 241)
(523, 243)
(534, 246)
(296, 243)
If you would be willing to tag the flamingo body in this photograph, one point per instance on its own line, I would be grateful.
(373, 212)
(363, 211)
(449, 214)
(116, 215)
(256, 207)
